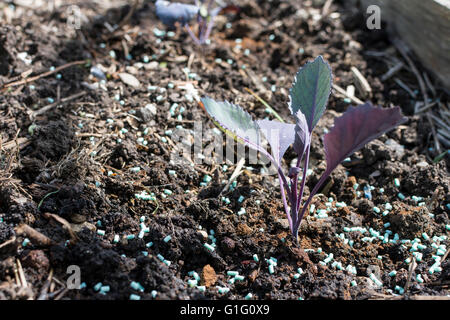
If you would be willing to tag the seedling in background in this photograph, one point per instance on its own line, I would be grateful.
(308, 99)
(172, 12)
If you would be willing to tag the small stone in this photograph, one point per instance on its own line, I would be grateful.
(203, 233)
(131, 69)
(228, 244)
(396, 147)
(422, 164)
(146, 113)
(78, 227)
(98, 73)
(208, 277)
(77, 218)
(152, 65)
(129, 80)
(284, 223)
(252, 276)
(24, 57)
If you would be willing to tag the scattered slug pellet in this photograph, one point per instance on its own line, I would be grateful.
(134, 297)
(399, 289)
(241, 211)
(223, 290)
(192, 282)
(137, 286)
(375, 280)
(105, 289)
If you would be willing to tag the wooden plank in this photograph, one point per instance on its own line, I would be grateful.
(423, 25)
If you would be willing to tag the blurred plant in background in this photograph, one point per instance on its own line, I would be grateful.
(205, 12)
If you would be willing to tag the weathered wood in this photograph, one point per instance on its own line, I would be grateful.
(424, 25)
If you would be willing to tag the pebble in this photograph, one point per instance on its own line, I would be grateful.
(96, 72)
(129, 80)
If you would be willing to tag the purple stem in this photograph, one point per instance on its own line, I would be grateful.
(283, 197)
(311, 195)
(210, 26)
(191, 33)
(293, 198)
(202, 31)
(305, 169)
(203, 35)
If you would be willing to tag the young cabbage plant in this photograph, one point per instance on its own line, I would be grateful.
(172, 12)
(308, 99)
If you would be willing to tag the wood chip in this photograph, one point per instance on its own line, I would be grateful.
(35, 235)
(361, 83)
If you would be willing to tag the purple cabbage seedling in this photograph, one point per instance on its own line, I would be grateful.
(308, 99)
(172, 12)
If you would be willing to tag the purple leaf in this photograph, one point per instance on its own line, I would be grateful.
(215, 12)
(355, 128)
(234, 119)
(310, 90)
(302, 134)
(239, 124)
(169, 13)
(279, 135)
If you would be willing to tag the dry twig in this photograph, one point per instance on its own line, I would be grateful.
(42, 75)
(35, 235)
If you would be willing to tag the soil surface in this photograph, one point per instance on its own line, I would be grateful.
(86, 178)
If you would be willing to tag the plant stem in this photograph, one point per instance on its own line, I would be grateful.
(202, 28)
(191, 33)
(311, 195)
(283, 198)
(209, 28)
(305, 169)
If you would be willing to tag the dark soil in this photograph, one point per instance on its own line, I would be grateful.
(68, 162)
